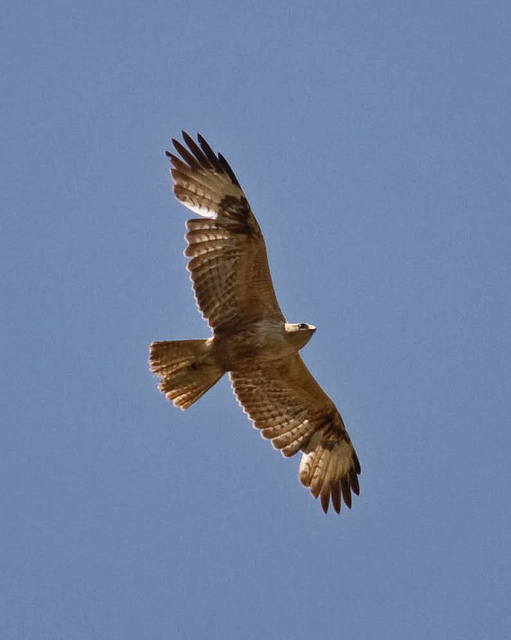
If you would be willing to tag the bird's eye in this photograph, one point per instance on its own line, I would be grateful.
(302, 325)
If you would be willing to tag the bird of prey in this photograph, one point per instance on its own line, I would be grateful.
(251, 339)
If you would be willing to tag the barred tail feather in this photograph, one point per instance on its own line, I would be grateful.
(186, 368)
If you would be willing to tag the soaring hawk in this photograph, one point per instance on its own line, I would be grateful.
(251, 339)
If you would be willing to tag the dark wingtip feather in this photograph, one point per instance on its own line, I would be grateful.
(354, 482)
(186, 136)
(358, 468)
(336, 497)
(177, 163)
(197, 152)
(325, 499)
(346, 492)
(185, 154)
(227, 168)
(209, 152)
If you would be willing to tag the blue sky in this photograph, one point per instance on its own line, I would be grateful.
(373, 142)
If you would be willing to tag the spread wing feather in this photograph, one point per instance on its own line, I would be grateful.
(286, 403)
(228, 261)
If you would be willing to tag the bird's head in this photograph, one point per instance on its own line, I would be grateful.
(299, 333)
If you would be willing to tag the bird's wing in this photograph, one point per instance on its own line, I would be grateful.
(229, 266)
(292, 410)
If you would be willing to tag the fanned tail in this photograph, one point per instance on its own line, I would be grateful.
(186, 368)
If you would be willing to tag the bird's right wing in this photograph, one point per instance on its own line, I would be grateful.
(284, 400)
(229, 266)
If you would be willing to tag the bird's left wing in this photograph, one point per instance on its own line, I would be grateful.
(284, 400)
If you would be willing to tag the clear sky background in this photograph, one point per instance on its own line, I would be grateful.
(373, 142)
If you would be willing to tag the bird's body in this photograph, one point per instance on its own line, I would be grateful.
(259, 341)
(251, 338)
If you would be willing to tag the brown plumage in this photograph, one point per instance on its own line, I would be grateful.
(251, 338)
